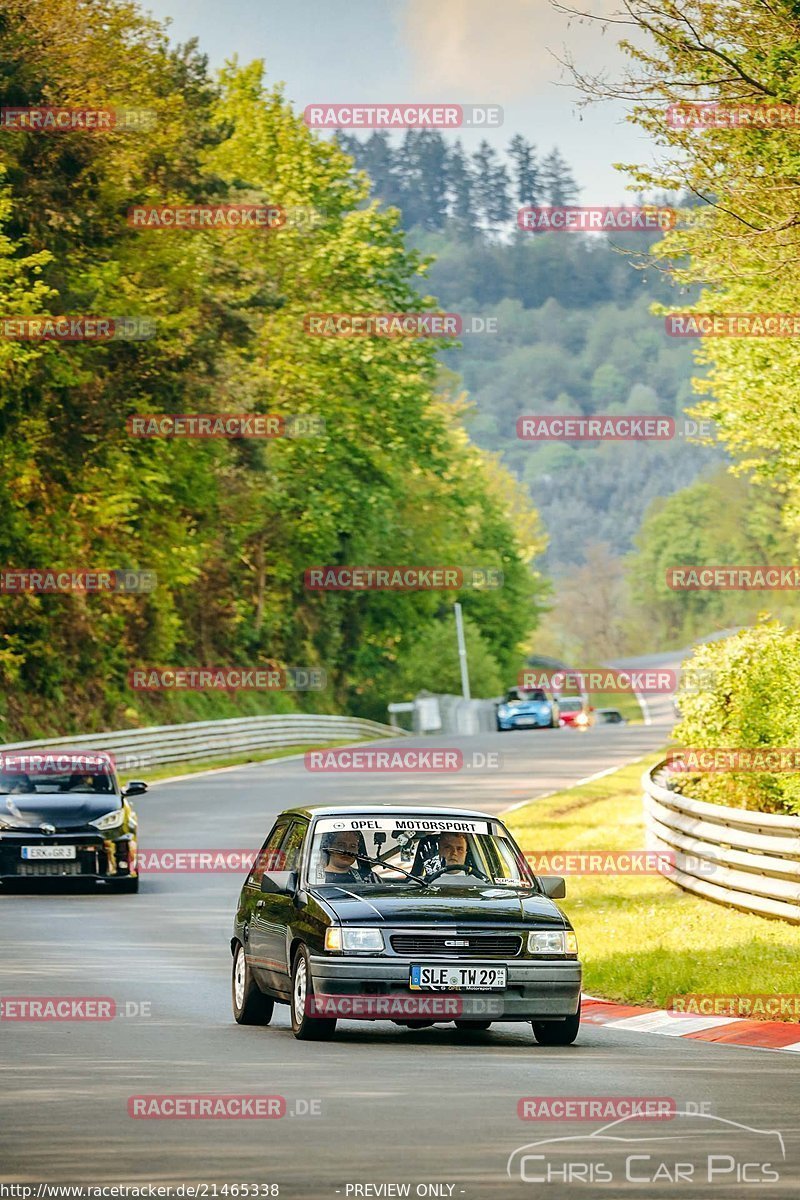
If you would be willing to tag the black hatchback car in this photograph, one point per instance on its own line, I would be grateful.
(63, 815)
(411, 914)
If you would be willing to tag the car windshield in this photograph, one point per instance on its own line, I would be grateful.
(22, 783)
(533, 694)
(570, 704)
(451, 852)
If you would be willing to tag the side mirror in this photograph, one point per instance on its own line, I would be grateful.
(554, 886)
(135, 788)
(281, 883)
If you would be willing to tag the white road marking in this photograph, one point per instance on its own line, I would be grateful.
(668, 1024)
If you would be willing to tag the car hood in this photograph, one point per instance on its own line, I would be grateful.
(533, 706)
(62, 811)
(478, 905)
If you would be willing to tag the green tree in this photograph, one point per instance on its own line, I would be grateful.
(740, 238)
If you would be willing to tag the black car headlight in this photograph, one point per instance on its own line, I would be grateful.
(353, 940)
(552, 941)
(112, 820)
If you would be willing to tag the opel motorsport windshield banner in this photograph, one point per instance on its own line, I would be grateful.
(404, 824)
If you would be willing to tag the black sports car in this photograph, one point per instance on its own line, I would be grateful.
(416, 915)
(64, 815)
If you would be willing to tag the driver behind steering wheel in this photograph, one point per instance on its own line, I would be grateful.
(453, 849)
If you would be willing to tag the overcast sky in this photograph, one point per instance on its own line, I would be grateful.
(459, 51)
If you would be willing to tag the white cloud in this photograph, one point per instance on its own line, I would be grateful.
(501, 50)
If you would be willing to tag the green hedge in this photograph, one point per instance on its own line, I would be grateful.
(744, 692)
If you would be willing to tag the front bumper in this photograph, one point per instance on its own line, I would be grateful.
(526, 721)
(536, 989)
(96, 857)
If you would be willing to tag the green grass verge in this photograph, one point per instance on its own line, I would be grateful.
(192, 767)
(641, 938)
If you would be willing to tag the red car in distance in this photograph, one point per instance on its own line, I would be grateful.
(573, 710)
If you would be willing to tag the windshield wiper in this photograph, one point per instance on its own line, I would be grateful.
(377, 862)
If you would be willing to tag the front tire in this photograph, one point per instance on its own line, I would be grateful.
(250, 1005)
(557, 1033)
(304, 1027)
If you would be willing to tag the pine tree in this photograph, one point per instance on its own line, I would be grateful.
(380, 159)
(424, 178)
(558, 184)
(491, 184)
(460, 188)
(526, 170)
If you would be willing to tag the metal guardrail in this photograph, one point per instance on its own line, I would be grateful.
(156, 745)
(747, 860)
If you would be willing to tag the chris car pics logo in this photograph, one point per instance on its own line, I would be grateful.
(691, 1150)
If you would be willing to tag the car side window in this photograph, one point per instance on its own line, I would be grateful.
(268, 858)
(292, 846)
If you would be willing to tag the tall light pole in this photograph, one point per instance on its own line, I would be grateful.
(462, 653)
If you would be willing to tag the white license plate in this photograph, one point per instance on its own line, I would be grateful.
(478, 977)
(48, 851)
(527, 721)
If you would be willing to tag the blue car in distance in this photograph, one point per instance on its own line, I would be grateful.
(523, 709)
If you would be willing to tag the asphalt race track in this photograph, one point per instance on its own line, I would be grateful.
(378, 1104)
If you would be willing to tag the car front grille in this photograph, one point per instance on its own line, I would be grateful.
(57, 867)
(481, 945)
(90, 858)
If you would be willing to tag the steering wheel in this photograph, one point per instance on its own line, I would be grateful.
(460, 869)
